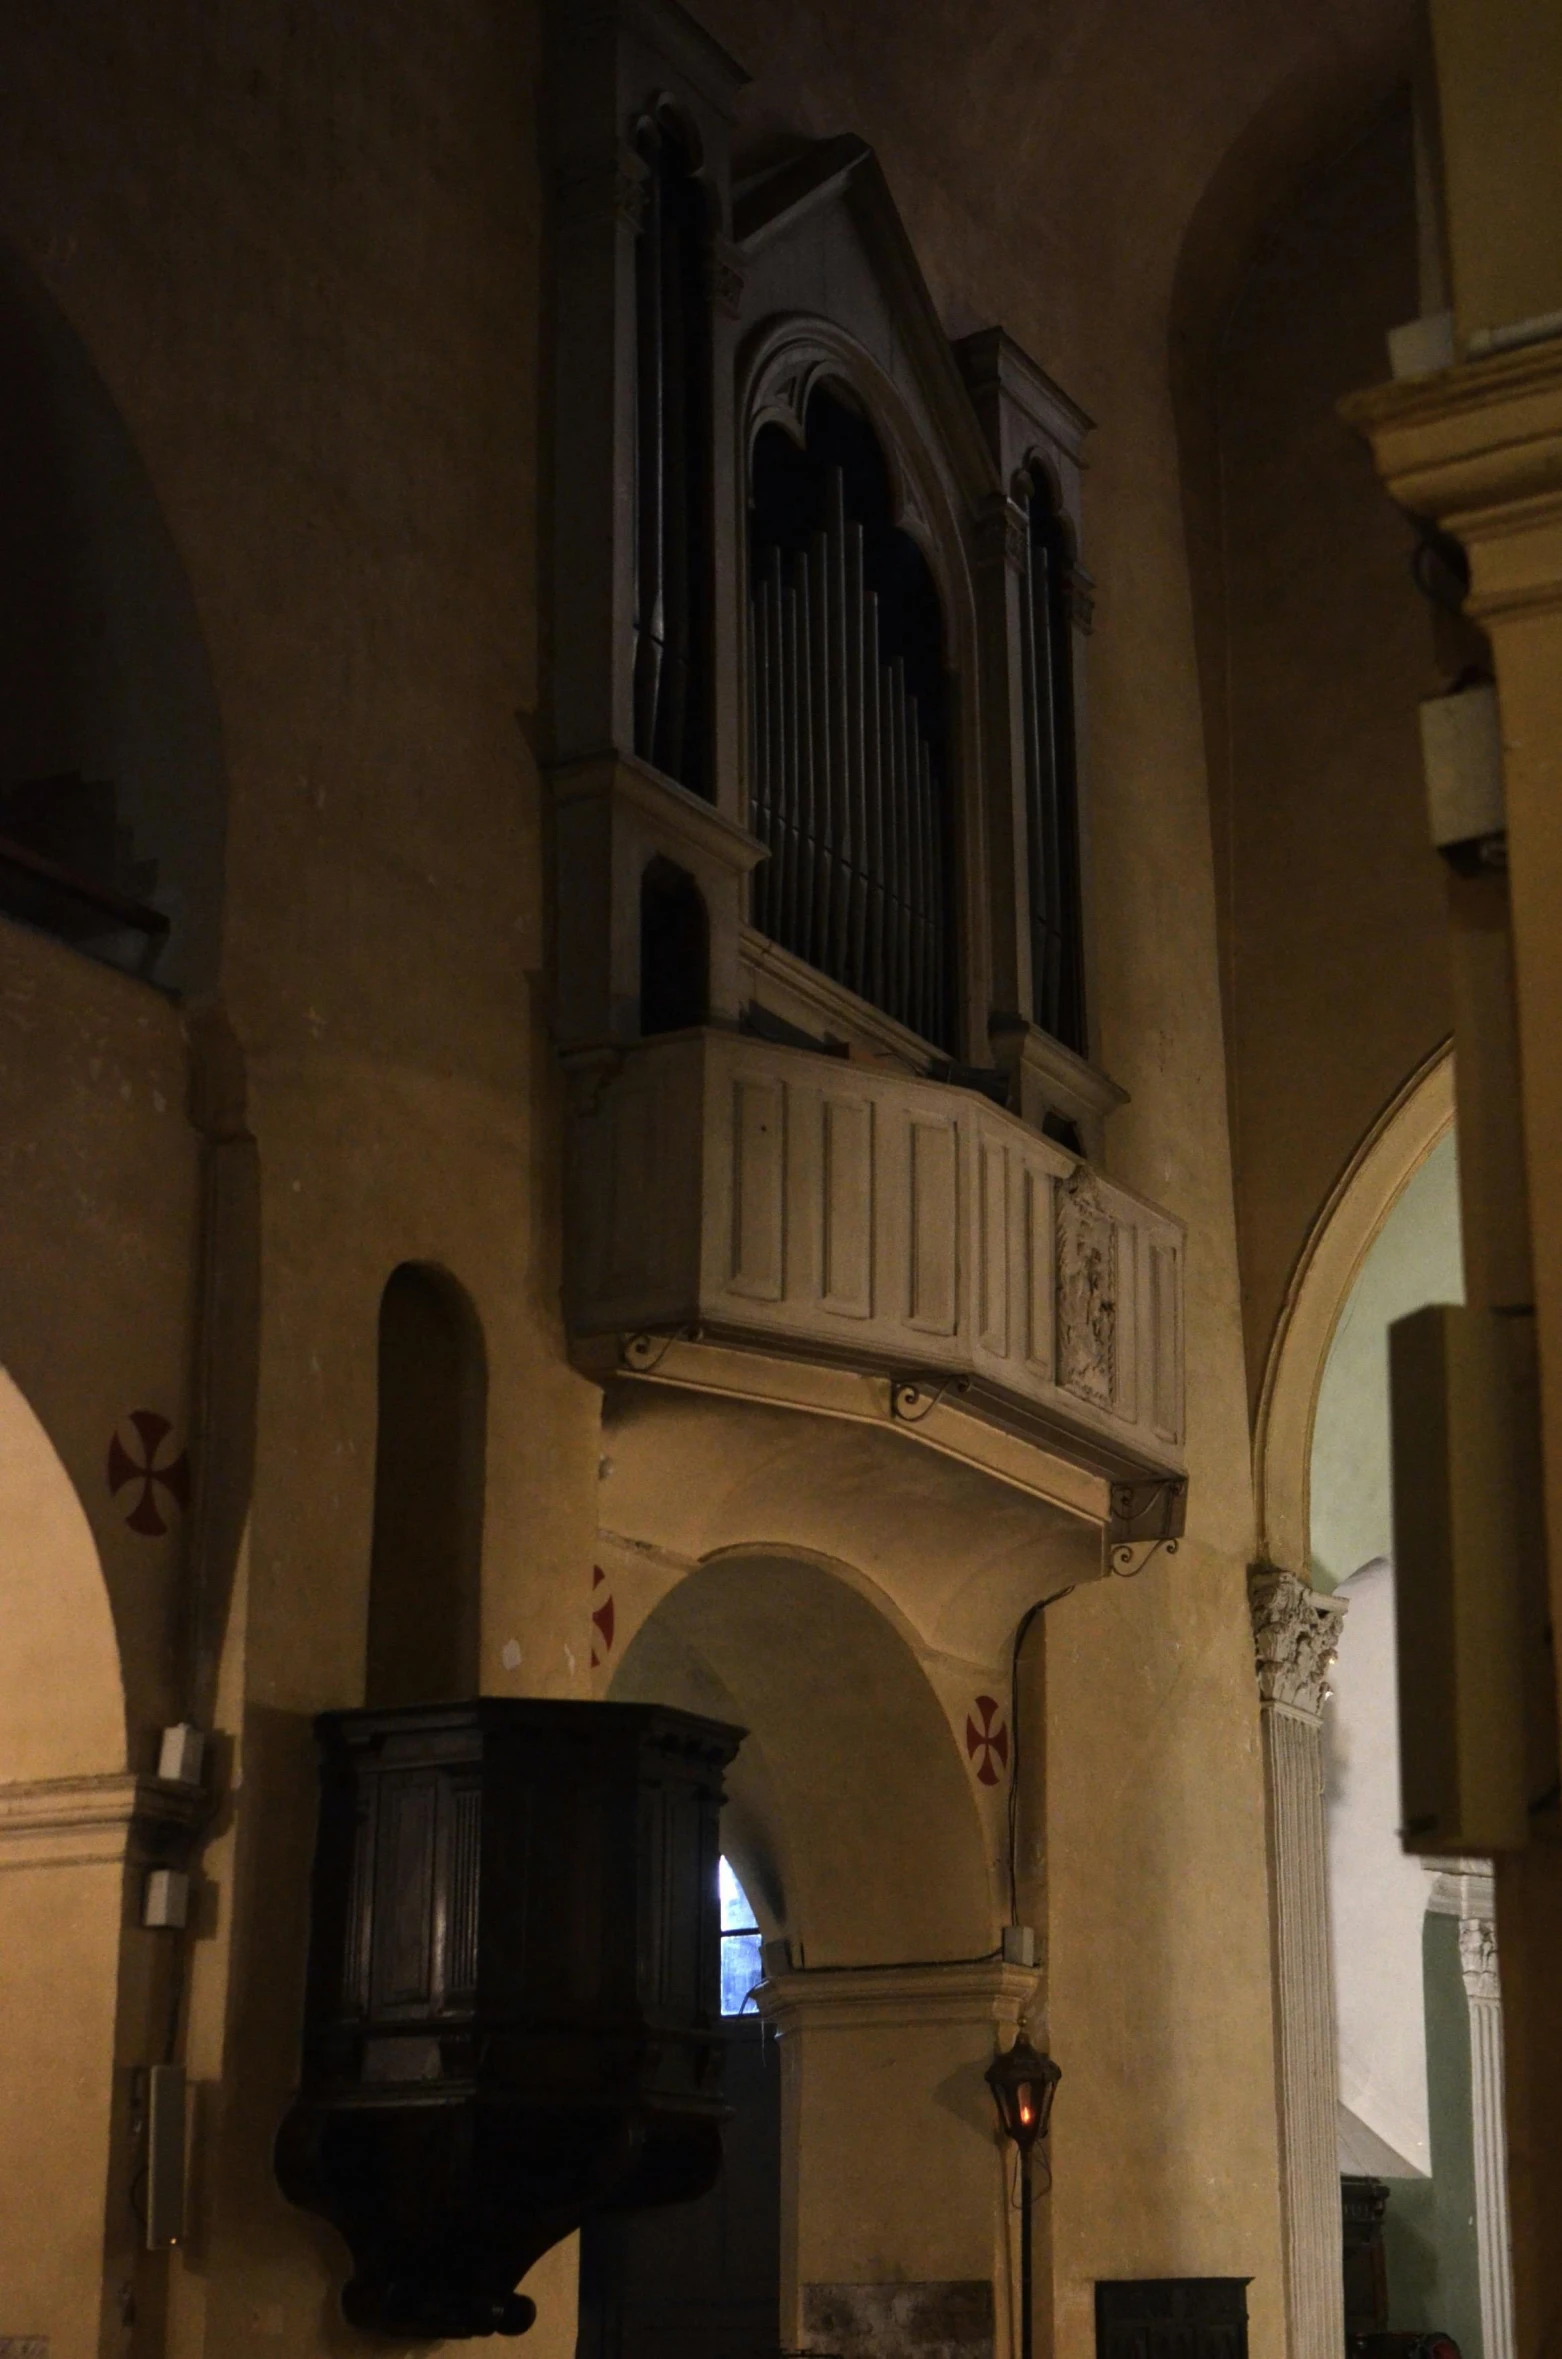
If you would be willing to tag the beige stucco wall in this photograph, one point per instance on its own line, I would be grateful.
(302, 250)
(1038, 194)
(59, 1981)
(1499, 75)
(99, 1194)
(305, 251)
(1315, 648)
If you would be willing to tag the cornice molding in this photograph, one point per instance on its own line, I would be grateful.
(994, 364)
(93, 1821)
(624, 778)
(825, 1998)
(1479, 447)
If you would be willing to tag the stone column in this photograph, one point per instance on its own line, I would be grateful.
(1463, 1889)
(1474, 447)
(897, 2219)
(1296, 1634)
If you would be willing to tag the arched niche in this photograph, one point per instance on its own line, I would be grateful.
(787, 363)
(1383, 1165)
(425, 1569)
(110, 741)
(674, 950)
(849, 1781)
(62, 1702)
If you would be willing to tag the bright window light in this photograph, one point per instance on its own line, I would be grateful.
(741, 1964)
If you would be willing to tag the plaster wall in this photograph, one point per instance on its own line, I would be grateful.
(1377, 1895)
(1415, 1259)
(304, 250)
(1314, 650)
(1100, 138)
(99, 1193)
(59, 1984)
(935, 2166)
(1402, 2023)
(1434, 2271)
(1499, 72)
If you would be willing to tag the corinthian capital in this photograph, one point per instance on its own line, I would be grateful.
(1478, 1958)
(1296, 1636)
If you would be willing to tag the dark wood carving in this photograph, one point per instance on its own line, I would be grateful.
(512, 2013)
(1172, 2318)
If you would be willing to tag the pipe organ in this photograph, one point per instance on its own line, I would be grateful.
(848, 782)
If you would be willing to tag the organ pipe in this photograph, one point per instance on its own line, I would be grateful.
(847, 789)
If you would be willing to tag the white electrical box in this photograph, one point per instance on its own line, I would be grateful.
(1461, 754)
(165, 1905)
(1422, 346)
(181, 1755)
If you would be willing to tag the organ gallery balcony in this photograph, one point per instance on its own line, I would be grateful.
(737, 1198)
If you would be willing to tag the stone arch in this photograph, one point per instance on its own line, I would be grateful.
(786, 361)
(1377, 1174)
(62, 1701)
(850, 1780)
(66, 1806)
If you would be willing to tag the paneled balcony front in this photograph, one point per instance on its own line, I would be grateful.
(729, 1190)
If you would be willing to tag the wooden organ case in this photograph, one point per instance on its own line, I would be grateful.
(512, 2015)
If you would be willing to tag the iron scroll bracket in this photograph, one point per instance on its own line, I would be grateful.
(915, 1397)
(1146, 1517)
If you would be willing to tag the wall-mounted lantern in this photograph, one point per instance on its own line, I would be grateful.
(1023, 2083)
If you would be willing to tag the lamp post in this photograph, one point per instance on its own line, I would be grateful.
(1022, 2081)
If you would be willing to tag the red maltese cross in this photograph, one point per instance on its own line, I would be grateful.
(987, 1740)
(142, 1453)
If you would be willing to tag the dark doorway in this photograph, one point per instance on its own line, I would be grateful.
(701, 2280)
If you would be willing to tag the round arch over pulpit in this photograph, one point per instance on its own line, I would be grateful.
(854, 1824)
(65, 1805)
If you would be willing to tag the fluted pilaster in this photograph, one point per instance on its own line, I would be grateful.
(1295, 1636)
(1463, 1889)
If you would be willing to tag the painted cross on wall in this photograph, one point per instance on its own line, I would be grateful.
(144, 1463)
(987, 1740)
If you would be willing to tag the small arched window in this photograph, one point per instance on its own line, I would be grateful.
(674, 950)
(849, 748)
(429, 1460)
(1051, 776)
(672, 675)
(742, 1961)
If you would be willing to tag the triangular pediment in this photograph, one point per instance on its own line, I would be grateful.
(819, 235)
